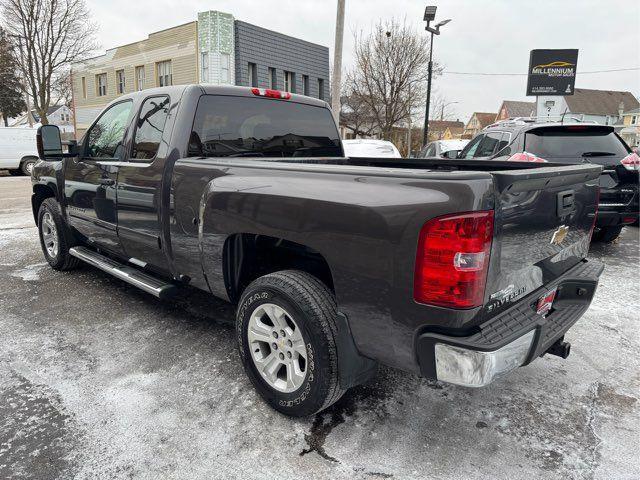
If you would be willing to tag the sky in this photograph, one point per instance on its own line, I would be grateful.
(487, 36)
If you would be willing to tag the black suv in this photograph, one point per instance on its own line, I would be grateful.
(528, 140)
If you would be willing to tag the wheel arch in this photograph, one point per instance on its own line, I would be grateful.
(249, 256)
(40, 193)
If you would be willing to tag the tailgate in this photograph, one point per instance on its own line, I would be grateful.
(543, 220)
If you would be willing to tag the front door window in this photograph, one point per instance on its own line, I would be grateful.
(105, 139)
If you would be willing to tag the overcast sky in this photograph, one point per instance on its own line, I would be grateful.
(489, 36)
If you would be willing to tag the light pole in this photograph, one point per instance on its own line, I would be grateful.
(337, 63)
(429, 16)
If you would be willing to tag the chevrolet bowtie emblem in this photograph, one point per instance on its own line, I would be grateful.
(559, 235)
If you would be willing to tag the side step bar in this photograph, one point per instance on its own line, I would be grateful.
(133, 276)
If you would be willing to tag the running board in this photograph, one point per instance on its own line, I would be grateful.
(133, 276)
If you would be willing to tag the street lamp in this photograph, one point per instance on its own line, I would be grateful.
(430, 16)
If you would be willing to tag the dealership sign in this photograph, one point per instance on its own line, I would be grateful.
(552, 72)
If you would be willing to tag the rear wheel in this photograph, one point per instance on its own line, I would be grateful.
(286, 327)
(55, 237)
(607, 234)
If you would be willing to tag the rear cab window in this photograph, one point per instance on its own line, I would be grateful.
(576, 144)
(230, 126)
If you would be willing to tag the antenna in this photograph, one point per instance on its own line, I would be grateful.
(565, 112)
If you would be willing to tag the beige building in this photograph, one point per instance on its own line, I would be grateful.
(477, 122)
(168, 57)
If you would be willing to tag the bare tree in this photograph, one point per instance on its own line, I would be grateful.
(61, 89)
(441, 108)
(356, 113)
(390, 72)
(48, 35)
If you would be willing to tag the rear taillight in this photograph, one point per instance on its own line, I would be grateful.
(631, 161)
(525, 157)
(267, 92)
(452, 260)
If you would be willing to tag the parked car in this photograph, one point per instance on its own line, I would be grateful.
(18, 152)
(335, 264)
(370, 148)
(575, 143)
(443, 148)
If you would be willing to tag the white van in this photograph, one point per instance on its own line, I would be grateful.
(18, 150)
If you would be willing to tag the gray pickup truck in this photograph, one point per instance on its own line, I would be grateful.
(460, 271)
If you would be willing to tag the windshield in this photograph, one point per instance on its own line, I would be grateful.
(228, 126)
(576, 144)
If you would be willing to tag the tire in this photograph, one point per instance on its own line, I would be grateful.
(26, 166)
(310, 307)
(607, 234)
(51, 227)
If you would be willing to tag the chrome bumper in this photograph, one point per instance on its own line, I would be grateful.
(472, 368)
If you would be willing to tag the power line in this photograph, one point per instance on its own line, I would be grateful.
(445, 72)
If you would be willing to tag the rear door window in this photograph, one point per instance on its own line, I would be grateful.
(228, 126)
(149, 128)
(576, 144)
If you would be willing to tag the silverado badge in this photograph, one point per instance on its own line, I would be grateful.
(559, 235)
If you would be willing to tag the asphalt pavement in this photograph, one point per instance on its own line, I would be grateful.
(99, 380)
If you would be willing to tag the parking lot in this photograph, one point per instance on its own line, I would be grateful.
(100, 380)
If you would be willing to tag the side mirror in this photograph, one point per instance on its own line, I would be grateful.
(451, 154)
(49, 142)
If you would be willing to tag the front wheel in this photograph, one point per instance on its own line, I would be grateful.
(55, 237)
(286, 327)
(607, 234)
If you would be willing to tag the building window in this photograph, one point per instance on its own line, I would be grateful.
(140, 78)
(164, 73)
(305, 84)
(253, 74)
(101, 84)
(120, 80)
(273, 78)
(321, 89)
(289, 82)
(225, 68)
(204, 67)
(634, 119)
(84, 87)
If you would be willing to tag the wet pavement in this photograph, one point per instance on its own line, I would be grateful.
(99, 381)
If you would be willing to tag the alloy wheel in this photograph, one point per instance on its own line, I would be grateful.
(277, 347)
(49, 234)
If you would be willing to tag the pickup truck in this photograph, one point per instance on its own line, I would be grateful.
(459, 271)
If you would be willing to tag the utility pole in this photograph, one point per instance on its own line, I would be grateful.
(337, 63)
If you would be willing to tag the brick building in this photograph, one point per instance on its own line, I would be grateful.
(214, 49)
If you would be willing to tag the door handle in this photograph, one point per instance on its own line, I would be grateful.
(107, 181)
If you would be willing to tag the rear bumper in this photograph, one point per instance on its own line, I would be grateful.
(618, 206)
(511, 339)
(610, 218)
